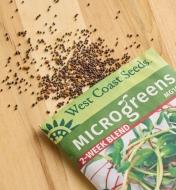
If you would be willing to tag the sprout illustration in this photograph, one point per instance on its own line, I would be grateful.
(149, 160)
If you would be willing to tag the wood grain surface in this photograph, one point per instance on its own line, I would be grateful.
(28, 161)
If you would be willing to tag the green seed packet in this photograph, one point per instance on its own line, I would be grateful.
(121, 133)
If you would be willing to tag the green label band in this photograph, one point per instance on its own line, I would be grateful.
(126, 109)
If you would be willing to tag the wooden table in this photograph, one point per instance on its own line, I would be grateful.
(28, 161)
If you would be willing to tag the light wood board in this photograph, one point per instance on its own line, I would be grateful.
(28, 161)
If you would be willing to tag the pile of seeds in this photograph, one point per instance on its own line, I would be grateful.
(73, 63)
(80, 65)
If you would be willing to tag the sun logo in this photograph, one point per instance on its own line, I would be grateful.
(58, 130)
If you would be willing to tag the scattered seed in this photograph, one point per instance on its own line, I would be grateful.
(56, 1)
(75, 16)
(49, 8)
(33, 105)
(138, 46)
(38, 16)
(15, 107)
(47, 112)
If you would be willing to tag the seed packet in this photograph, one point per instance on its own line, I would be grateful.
(121, 133)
